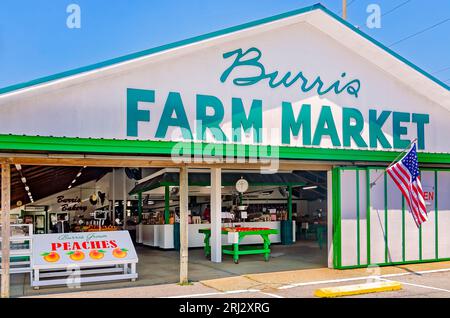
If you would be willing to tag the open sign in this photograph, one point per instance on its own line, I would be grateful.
(428, 195)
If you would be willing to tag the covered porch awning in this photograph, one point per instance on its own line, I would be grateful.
(228, 179)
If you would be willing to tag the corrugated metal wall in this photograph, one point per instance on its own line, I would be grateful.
(376, 226)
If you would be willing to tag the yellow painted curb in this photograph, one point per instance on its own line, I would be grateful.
(358, 289)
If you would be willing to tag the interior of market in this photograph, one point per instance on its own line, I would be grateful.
(145, 201)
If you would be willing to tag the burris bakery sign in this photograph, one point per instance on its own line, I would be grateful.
(70, 204)
(307, 125)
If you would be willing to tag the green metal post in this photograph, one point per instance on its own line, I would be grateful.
(290, 203)
(140, 206)
(166, 205)
(436, 219)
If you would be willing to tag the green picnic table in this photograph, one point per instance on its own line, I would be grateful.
(235, 249)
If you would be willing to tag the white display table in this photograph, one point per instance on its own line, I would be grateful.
(155, 235)
(162, 235)
(21, 246)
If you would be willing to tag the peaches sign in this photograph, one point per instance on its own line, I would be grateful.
(90, 248)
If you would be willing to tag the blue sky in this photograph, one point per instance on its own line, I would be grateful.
(35, 41)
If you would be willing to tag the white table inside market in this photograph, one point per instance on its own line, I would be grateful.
(161, 235)
(66, 258)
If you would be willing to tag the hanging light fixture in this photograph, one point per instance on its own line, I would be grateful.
(24, 181)
(310, 187)
(80, 172)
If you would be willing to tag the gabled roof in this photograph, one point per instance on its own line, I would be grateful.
(316, 15)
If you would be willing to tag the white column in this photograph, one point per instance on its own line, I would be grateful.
(330, 218)
(216, 215)
(184, 198)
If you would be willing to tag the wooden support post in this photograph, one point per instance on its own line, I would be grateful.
(124, 196)
(166, 204)
(216, 215)
(113, 196)
(290, 203)
(6, 189)
(184, 198)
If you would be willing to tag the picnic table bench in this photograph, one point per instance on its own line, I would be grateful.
(235, 249)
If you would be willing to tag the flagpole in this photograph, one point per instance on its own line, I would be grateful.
(396, 158)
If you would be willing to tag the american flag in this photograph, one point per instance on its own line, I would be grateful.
(406, 176)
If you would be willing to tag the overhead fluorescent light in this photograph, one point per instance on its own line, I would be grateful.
(310, 187)
(78, 174)
(18, 167)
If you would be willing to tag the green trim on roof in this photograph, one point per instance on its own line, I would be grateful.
(151, 147)
(210, 35)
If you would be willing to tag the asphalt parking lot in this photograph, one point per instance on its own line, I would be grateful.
(415, 285)
(428, 283)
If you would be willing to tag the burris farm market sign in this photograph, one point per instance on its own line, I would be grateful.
(307, 123)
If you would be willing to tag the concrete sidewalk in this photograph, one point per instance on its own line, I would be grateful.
(166, 290)
(161, 268)
(268, 281)
(261, 285)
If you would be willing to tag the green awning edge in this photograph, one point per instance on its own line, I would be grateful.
(153, 147)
